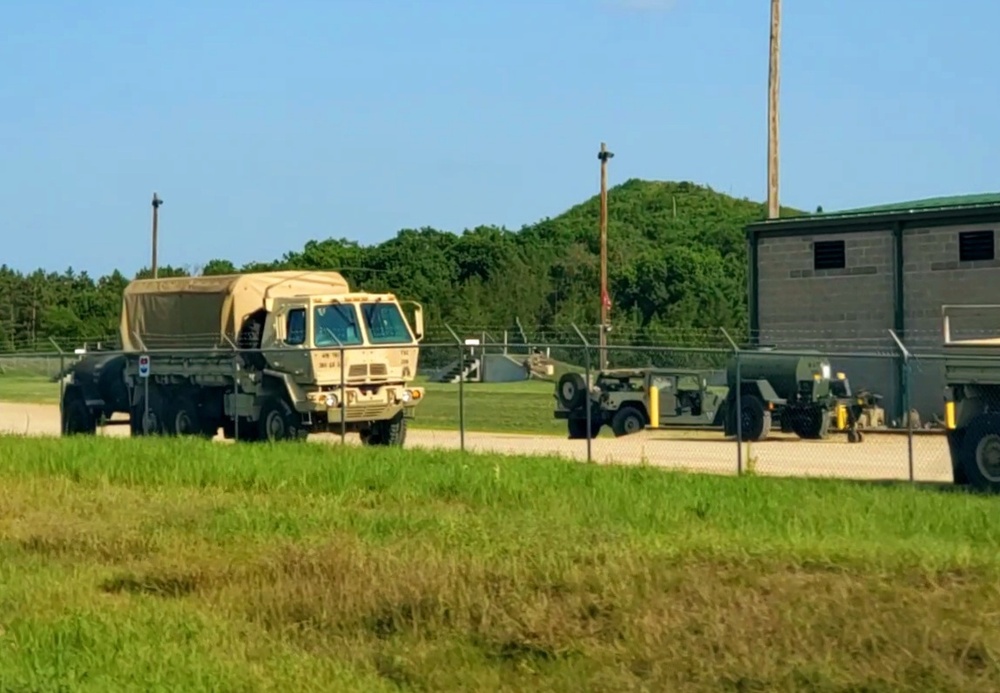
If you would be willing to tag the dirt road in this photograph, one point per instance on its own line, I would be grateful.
(878, 457)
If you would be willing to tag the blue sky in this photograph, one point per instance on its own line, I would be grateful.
(265, 124)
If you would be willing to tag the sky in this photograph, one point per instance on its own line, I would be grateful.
(263, 125)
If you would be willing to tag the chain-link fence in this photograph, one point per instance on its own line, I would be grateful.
(717, 406)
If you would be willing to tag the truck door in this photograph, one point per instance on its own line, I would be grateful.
(291, 354)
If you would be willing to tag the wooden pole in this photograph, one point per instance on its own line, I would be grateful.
(773, 83)
(604, 155)
(156, 208)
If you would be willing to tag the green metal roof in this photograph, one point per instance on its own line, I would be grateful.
(941, 210)
(926, 203)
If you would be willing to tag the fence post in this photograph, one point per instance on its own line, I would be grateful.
(907, 387)
(739, 404)
(62, 382)
(236, 389)
(461, 388)
(343, 392)
(586, 366)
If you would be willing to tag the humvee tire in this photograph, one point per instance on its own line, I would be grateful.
(577, 428)
(626, 421)
(572, 390)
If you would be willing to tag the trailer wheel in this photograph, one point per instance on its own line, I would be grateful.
(811, 424)
(755, 419)
(77, 419)
(627, 420)
(979, 459)
(278, 421)
(577, 428)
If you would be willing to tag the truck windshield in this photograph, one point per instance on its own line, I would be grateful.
(385, 324)
(336, 322)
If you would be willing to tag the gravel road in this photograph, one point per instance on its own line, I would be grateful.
(878, 457)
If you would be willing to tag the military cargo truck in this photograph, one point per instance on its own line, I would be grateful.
(972, 406)
(794, 391)
(257, 355)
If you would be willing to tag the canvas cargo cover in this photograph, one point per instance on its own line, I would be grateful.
(200, 312)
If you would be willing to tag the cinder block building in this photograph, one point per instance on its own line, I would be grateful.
(840, 281)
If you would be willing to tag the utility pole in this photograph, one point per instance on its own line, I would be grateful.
(156, 209)
(773, 83)
(604, 155)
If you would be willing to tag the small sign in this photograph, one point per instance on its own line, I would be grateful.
(144, 366)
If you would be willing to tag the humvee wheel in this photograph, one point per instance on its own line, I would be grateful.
(76, 416)
(572, 389)
(854, 436)
(627, 420)
(278, 421)
(980, 453)
(577, 428)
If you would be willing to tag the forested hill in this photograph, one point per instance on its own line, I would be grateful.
(677, 262)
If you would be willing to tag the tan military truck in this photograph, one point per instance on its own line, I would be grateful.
(263, 356)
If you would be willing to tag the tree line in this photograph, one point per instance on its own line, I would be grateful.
(677, 266)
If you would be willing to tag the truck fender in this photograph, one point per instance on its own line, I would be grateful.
(283, 383)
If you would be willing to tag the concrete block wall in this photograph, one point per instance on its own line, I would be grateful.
(849, 309)
(933, 276)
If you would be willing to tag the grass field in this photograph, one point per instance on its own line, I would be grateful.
(524, 407)
(182, 565)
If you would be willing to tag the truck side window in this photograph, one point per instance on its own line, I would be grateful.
(295, 327)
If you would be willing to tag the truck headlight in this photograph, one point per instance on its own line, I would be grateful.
(331, 400)
(406, 396)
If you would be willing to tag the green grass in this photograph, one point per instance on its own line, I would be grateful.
(28, 389)
(141, 564)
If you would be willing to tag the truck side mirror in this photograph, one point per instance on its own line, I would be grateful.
(418, 322)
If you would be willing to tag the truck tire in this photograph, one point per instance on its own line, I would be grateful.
(571, 390)
(390, 432)
(157, 413)
(278, 422)
(979, 454)
(77, 419)
(577, 428)
(627, 420)
(184, 417)
(755, 419)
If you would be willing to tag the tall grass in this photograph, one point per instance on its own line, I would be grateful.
(141, 563)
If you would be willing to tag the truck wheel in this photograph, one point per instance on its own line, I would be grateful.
(184, 418)
(138, 414)
(626, 421)
(77, 419)
(755, 420)
(572, 389)
(391, 432)
(278, 421)
(955, 452)
(979, 459)
(577, 428)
